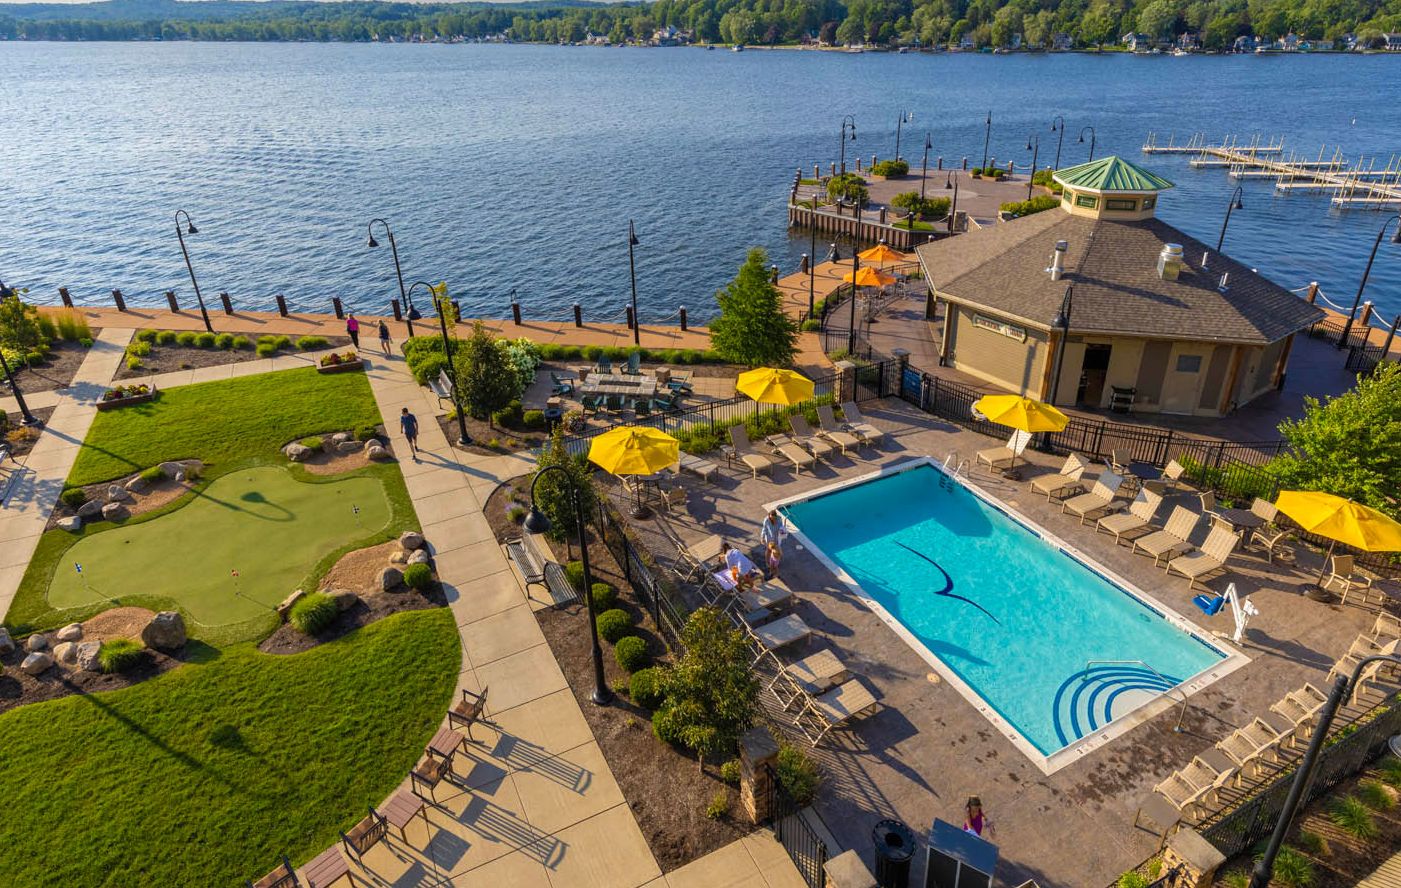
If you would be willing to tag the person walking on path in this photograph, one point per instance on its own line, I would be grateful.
(408, 424)
(384, 337)
(352, 326)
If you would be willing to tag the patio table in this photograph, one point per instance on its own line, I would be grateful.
(1241, 520)
(619, 384)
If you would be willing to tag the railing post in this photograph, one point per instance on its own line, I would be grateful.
(170, 299)
(117, 298)
(631, 319)
(282, 305)
(683, 319)
(757, 753)
(338, 307)
(397, 309)
(516, 312)
(63, 295)
(456, 312)
(578, 315)
(228, 303)
(1167, 446)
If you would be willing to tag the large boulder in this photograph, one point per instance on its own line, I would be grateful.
(72, 524)
(171, 469)
(90, 509)
(399, 557)
(114, 512)
(349, 446)
(344, 598)
(340, 437)
(71, 632)
(297, 453)
(377, 452)
(136, 485)
(66, 653)
(285, 608)
(37, 662)
(410, 540)
(165, 632)
(7, 644)
(418, 556)
(117, 494)
(37, 642)
(391, 578)
(87, 656)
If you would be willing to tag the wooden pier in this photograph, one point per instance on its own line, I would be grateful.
(1353, 185)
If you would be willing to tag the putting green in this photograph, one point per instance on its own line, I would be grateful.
(263, 523)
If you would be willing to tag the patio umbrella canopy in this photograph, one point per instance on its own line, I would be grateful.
(1340, 520)
(868, 277)
(633, 450)
(1020, 413)
(767, 385)
(880, 254)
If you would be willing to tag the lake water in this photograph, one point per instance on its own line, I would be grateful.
(506, 167)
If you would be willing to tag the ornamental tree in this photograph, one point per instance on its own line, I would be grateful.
(753, 328)
(711, 693)
(484, 376)
(19, 327)
(552, 494)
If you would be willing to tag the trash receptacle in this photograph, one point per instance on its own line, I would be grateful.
(894, 847)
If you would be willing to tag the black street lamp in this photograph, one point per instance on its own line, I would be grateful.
(1081, 140)
(1061, 324)
(537, 522)
(27, 418)
(953, 207)
(442, 303)
(1235, 203)
(191, 229)
(632, 274)
(398, 271)
(924, 166)
(812, 260)
(1058, 126)
(1367, 272)
(855, 267)
(905, 117)
(847, 121)
(1033, 144)
(1303, 776)
(987, 136)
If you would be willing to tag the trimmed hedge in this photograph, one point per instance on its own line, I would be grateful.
(614, 625)
(604, 596)
(647, 688)
(631, 653)
(418, 576)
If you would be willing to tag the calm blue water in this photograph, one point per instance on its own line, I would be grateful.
(1012, 616)
(519, 166)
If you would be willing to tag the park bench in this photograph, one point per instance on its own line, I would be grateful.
(442, 387)
(283, 876)
(526, 557)
(561, 590)
(469, 711)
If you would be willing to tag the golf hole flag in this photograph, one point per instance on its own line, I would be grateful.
(77, 568)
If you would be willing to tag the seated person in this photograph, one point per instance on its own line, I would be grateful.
(739, 572)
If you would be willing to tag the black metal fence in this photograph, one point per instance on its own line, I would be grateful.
(1236, 831)
(665, 603)
(1365, 358)
(807, 851)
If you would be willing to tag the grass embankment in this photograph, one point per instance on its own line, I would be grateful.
(205, 775)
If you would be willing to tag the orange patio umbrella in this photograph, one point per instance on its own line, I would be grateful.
(880, 254)
(868, 277)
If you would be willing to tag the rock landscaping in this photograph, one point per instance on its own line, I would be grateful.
(126, 497)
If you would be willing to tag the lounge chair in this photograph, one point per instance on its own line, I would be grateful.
(1159, 810)
(778, 634)
(813, 675)
(1071, 479)
(1301, 706)
(829, 428)
(766, 596)
(1387, 624)
(699, 555)
(1170, 481)
(561, 385)
(744, 450)
(1362, 648)
(999, 458)
(1271, 541)
(1138, 518)
(787, 448)
(679, 381)
(833, 709)
(667, 402)
(698, 466)
(1171, 541)
(1099, 500)
(1207, 561)
(1181, 794)
(1249, 746)
(804, 435)
(859, 426)
(1342, 572)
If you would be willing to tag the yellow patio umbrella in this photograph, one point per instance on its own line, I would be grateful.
(768, 385)
(634, 450)
(880, 254)
(868, 277)
(1022, 414)
(1342, 521)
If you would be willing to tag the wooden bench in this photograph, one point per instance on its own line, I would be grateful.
(526, 557)
(557, 583)
(366, 834)
(326, 869)
(442, 388)
(281, 877)
(469, 711)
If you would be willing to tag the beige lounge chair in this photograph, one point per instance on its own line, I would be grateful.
(1208, 501)
(859, 426)
(1004, 457)
(787, 448)
(1301, 706)
(1343, 572)
(1250, 745)
(1138, 518)
(1362, 648)
(1098, 501)
(1263, 508)
(696, 465)
(829, 428)
(804, 435)
(778, 634)
(745, 451)
(1171, 541)
(1387, 624)
(1161, 812)
(767, 595)
(1208, 777)
(1209, 560)
(833, 709)
(1071, 478)
(699, 555)
(1184, 795)
(1170, 481)
(1272, 543)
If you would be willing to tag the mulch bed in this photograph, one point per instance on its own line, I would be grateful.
(23, 438)
(482, 434)
(497, 507)
(56, 373)
(168, 358)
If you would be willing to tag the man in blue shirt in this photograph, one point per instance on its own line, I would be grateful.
(408, 424)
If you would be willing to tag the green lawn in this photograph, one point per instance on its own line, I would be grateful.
(223, 421)
(261, 522)
(202, 777)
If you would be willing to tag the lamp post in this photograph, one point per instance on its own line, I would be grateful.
(1061, 323)
(1033, 144)
(27, 418)
(855, 266)
(1303, 776)
(812, 260)
(1367, 272)
(953, 207)
(987, 136)
(537, 522)
(904, 118)
(441, 302)
(847, 121)
(1081, 140)
(398, 271)
(632, 275)
(191, 229)
(924, 166)
(1058, 126)
(1235, 203)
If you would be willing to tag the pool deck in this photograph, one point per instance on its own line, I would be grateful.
(927, 748)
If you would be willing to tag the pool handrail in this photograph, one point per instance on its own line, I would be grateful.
(1177, 729)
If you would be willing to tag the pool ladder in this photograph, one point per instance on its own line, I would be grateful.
(1182, 713)
(953, 460)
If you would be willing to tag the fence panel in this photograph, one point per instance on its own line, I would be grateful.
(807, 851)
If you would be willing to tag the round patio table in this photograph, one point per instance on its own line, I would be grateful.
(1145, 471)
(1241, 519)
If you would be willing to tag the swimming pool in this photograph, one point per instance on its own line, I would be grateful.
(1057, 652)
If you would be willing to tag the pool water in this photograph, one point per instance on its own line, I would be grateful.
(1017, 619)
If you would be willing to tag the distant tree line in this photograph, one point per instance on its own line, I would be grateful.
(1086, 23)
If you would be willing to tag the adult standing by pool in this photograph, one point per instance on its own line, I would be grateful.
(773, 530)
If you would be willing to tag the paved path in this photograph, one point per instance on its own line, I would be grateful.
(1388, 875)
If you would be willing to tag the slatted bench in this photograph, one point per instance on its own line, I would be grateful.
(526, 557)
(442, 387)
(561, 590)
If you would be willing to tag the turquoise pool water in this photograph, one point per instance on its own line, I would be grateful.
(1013, 616)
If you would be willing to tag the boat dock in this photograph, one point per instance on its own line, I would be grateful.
(1363, 184)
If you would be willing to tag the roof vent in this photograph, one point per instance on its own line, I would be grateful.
(1170, 262)
(1205, 256)
(1225, 278)
(1058, 260)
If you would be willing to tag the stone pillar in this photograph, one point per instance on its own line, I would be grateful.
(846, 381)
(846, 870)
(757, 753)
(1198, 859)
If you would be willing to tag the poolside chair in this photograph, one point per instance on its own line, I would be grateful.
(1362, 648)
(1208, 501)
(1301, 706)
(745, 452)
(699, 555)
(829, 428)
(780, 633)
(1207, 561)
(1263, 508)
(698, 466)
(787, 448)
(1071, 479)
(1098, 501)
(768, 595)
(837, 707)
(1387, 624)
(642, 408)
(1170, 480)
(998, 458)
(1249, 746)
(561, 385)
(1171, 541)
(680, 382)
(603, 366)
(803, 434)
(859, 426)
(1343, 572)
(1272, 543)
(1138, 518)
(1163, 813)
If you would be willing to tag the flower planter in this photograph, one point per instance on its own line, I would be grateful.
(106, 404)
(343, 367)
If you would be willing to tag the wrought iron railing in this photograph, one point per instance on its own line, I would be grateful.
(805, 848)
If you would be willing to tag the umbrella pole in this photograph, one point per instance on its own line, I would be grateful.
(1332, 544)
(639, 511)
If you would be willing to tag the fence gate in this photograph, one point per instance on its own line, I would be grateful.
(807, 851)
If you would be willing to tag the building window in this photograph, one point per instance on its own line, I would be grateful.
(1189, 363)
(1116, 204)
(1002, 328)
(1148, 202)
(1086, 201)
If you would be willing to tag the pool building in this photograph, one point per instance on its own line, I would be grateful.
(1155, 317)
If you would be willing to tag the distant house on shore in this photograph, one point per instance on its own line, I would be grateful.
(1244, 43)
(1061, 42)
(1393, 42)
(1137, 42)
(1188, 41)
(1152, 312)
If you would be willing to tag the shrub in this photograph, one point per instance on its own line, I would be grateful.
(1391, 771)
(145, 336)
(719, 805)
(848, 186)
(1237, 879)
(242, 343)
(165, 337)
(85, 342)
(206, 340)
(574, 572)
(153, 475)
(313, 443)
(890, 168)
(418, 576)
(120, 654)
(1351, 816)
(1376, 795)
(428, 367)
(312, 343)
(1292, 869)
(647, 688)
(224, 341)
(631, 653)
(45, 326)
(366, 433)
(1132, 879)
(312, 613)
(133, 362)
(510, 416)
(71, 325)
(533, 419)
(812, 325)
(266, 350)
(282, 341)
(729, 772)
(604, 596)
(139, 349)
(1314, 844)
(666, 727)
(186, 338)
(797, 774)
(1037, 204)
(516, 514)
(614, 625)
(73, 497)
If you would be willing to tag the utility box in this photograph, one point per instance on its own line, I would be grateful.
(958, 859)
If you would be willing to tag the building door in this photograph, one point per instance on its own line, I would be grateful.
(1183, 383)
(1092, 375)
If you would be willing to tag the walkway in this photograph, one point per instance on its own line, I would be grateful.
(1388, 875)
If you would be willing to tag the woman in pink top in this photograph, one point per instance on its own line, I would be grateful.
(974, 820)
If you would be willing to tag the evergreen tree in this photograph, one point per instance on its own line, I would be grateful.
(482, 373)
(552, 494)
(752, 328)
